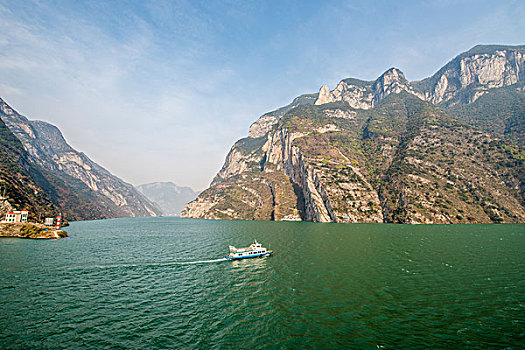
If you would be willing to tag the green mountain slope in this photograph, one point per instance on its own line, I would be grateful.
(446, 171)
(499, 111)
(404, 161)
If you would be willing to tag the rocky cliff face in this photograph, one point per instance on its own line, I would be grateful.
(75, 183)
(374, 152)
(473, 73)
(366, 94)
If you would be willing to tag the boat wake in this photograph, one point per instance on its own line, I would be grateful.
(165, 263)
(203, 261)
(141, 265)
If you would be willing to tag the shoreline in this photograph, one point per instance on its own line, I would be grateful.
(29, 230)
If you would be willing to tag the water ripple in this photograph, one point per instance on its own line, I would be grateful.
(163, 283)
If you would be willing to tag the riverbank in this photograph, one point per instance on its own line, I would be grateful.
(30, 230)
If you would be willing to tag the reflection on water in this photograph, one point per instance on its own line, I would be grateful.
(250, 265)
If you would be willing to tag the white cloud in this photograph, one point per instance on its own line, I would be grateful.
(10, 90)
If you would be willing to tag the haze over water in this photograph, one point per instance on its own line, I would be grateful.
(163, 283)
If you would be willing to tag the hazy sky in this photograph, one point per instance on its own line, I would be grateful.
(160, 90)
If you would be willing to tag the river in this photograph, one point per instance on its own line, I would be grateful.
(157, 283)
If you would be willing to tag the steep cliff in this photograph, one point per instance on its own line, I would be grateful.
(377, 152)
(78, 186)
(473, 73)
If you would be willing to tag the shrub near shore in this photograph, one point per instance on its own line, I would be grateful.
(30, 230)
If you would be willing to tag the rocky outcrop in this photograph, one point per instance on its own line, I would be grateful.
(286, 157)
(48, 149)
(471, 74)
(262, 126)
(244, 154)
(393, 81)
(361, 94)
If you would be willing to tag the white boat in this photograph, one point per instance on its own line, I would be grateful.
(253, 251)
(291, 218)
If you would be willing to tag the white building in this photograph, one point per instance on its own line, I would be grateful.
(16, 216)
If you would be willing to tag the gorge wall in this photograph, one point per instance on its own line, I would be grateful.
(77, 186)
(387, 150)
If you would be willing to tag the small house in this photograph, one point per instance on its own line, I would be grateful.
(15, 216)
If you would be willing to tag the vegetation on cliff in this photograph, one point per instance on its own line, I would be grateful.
(403, 160)
(30, 230)
(499, 111)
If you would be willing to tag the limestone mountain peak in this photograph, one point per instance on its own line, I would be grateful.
(325, 95)
(471, 74)
(361, 94)
(392, 76)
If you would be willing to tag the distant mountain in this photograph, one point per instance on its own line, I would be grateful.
(170, 197)
(447, 149)
(74, 183)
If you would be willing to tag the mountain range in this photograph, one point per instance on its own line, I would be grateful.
(40, 171)
(170, 197)
(445, 149)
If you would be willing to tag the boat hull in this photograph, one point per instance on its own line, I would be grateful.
(248, 257)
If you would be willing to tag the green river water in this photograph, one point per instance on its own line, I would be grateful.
(162, 283)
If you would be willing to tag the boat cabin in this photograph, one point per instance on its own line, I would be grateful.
(254, 250)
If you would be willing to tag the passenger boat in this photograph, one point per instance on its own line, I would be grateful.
(253, 251)
(291, 218)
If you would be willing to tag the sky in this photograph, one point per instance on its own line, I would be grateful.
(160, 90)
